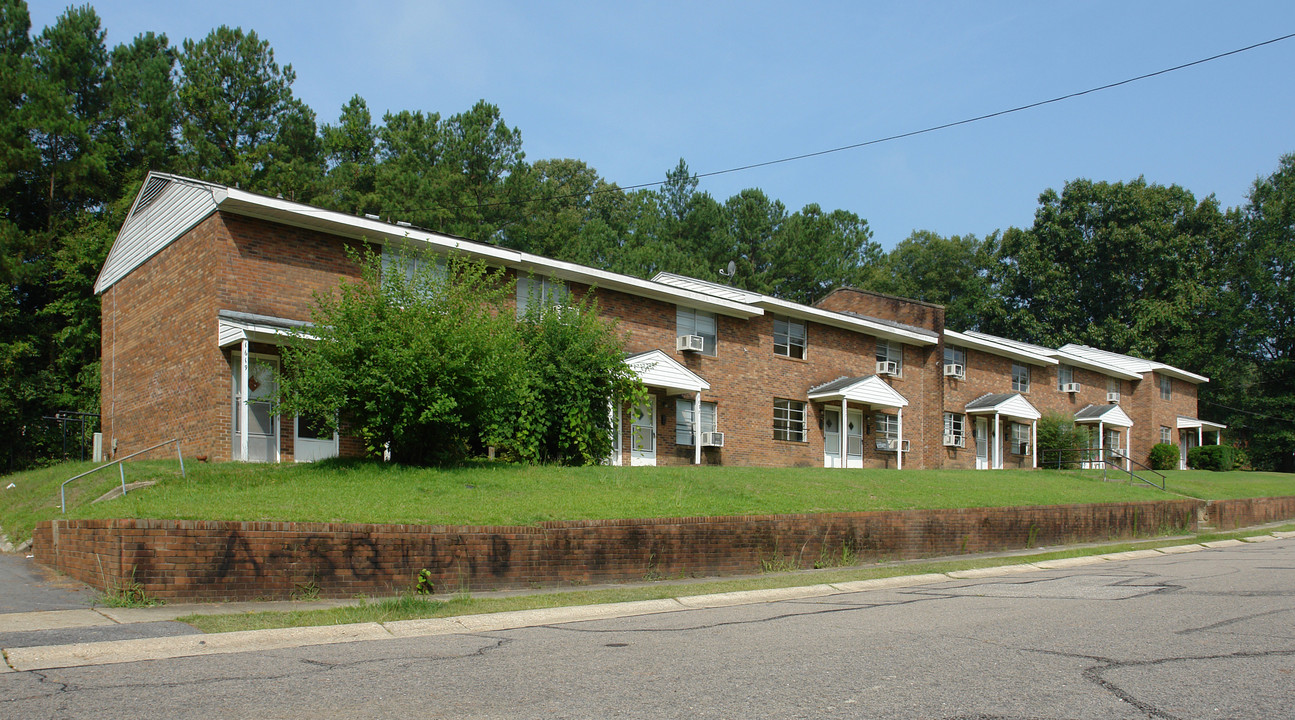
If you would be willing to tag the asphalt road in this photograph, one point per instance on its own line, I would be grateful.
(1208, 634)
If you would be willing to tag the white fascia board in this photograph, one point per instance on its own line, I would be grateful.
(629, 284)
(1179, 373)
(1087, 364)
(848, 322)
(995, 348)
(332, 222)
(335, 223)
(797, 310)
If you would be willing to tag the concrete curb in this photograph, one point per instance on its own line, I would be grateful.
(124, 651)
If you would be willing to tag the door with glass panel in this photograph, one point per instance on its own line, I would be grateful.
(643, 433)
(854, 439)
(831, 437)
(982, 443)
(262, 423)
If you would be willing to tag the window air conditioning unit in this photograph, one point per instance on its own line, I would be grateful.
(690, 343)
(954, 370)
(887, 367)
(887, 445)
(1070, 387)
(952, 441)
(904, 446)
(1023, 448)
(1112, 397)
(712, 439)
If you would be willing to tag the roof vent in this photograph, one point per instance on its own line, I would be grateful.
(150, 192)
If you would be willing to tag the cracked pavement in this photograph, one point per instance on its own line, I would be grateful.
(1178, 635)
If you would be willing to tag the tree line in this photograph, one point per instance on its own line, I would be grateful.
(1132, 267)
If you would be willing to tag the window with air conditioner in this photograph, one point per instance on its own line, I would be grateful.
(683, 420)
(1113, 389)
(955, 362)
(789, 337)
(890, 358)
(1020, 377)
(954, 429)
(1065, 378)
(689, 321)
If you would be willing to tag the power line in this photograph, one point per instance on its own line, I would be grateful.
(900, 136)
(1248, 412)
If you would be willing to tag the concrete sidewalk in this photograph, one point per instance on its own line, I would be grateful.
(40, 657)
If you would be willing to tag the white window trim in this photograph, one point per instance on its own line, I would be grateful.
(1017, 386)
(686, 324)
(790, 420)
(683, 419)
(891, 351)
(789, 338)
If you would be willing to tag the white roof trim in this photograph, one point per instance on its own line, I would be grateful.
(999, 346)
(231, 332)
(657, 369)
(805, 312)
(1131, 364)
(141, 238)
(1113, 415)
(870, 390)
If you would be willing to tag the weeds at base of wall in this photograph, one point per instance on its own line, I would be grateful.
(305, 592)
(127, 593)
(1033, 536)
(843, 557)
(423, 585)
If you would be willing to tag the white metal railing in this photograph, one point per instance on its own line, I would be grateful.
(62, 489)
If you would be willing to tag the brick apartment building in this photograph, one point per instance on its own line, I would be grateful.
(204, 283)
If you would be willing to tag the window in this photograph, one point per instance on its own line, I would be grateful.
(1020, 377)
(788, 420)
(954, 429)
(887, 428)
(1111, 441)
(683, 420)
(1020, 439)
(955, 356)
(410, 263)
(1113, 385)
(890, 352)
(1065, 376)
(788, 338)
(1166, 387)
(541, 292)
(697, 322)
(1164, 435)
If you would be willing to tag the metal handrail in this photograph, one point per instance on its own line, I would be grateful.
(62, 491)
(1105, 457)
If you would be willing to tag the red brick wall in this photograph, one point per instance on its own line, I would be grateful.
(190, 560)
(163, 373)
(886, 307)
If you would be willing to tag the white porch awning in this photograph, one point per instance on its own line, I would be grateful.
(1012, 405)
(1191, 423)
(235, 327)
(868, 390)
(1104, 414)
(657, 369)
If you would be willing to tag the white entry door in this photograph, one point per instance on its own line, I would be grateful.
(982, 443)
(831, 437)
(854, 439)
(262, 423)
(643, 433)
(312, 441)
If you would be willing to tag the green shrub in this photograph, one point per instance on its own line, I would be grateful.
(1211, 457)
(1164, 456)
(1060, 433)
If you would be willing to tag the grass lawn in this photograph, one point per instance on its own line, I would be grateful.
(501, 494)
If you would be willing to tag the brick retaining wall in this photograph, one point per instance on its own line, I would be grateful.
(188, 560)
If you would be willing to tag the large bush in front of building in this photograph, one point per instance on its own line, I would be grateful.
(1059, 438)
(427, 359)
(575, 366)
(424, 363)
(1211, 457)
(1163, 456)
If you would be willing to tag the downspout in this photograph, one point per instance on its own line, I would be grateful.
(1101, 441)
(998, 443)
(1034, 442)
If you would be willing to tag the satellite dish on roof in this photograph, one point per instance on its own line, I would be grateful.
(732, 268)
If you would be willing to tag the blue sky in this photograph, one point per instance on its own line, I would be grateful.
(631, 87)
